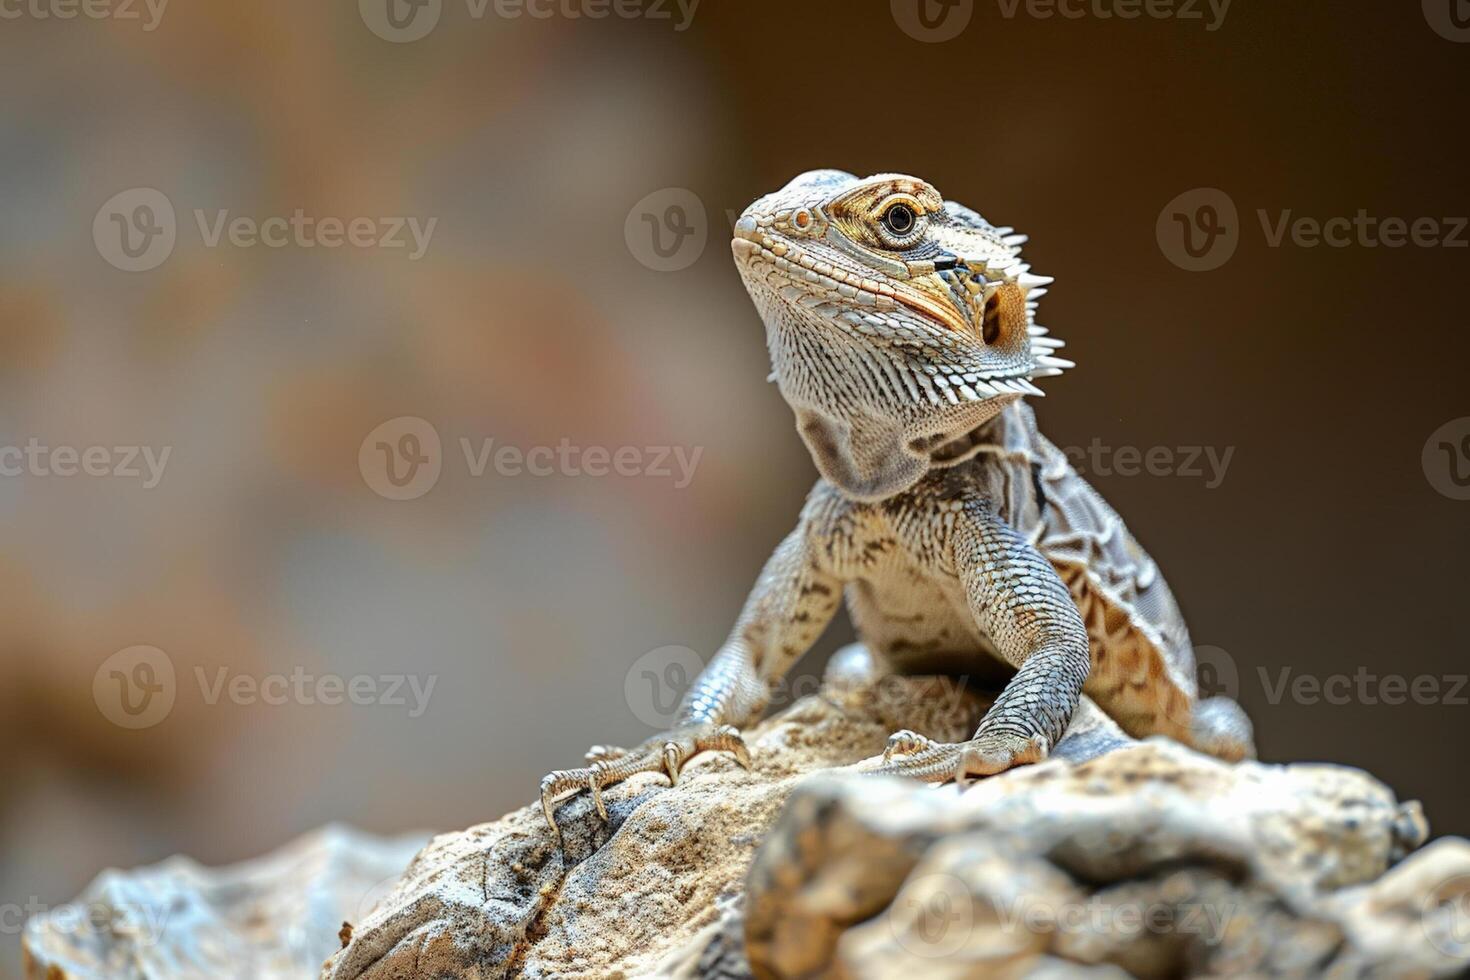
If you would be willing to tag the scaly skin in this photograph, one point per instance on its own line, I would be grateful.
(901, 330)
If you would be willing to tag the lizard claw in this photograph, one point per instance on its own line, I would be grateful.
(600, 753)
(911, 754)
(986, 755)
(667, 754)
(906, 743)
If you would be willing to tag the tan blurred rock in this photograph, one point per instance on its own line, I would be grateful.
(273, 918)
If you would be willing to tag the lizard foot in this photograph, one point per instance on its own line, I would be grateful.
(911, 754)
(666, 753)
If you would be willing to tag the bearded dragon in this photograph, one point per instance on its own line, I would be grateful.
(902, 333)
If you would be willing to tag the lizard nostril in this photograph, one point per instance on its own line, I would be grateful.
(747, 228)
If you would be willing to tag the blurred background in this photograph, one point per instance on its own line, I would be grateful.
(572, 179)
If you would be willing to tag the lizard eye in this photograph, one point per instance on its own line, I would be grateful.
(901, 225)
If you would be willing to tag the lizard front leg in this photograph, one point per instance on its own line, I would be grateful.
(791, 604)
(1020, 602)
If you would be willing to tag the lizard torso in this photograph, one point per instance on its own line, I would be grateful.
(910, 607)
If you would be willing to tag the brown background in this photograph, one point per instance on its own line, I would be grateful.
(1326, 549)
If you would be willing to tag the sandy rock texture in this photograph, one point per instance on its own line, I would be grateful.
(272, 918)
(1114, 858)
(1149, 860)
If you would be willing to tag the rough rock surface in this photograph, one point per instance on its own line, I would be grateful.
(1150, 860)
(268, 919)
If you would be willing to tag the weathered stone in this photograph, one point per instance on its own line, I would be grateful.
(273, 918)
(1149, 860)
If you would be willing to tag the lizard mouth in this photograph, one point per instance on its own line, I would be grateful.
(803, 280)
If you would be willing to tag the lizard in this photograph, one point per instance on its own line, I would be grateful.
(902, 333)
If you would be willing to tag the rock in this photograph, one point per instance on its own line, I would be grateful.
(1153, 859)
(1148, 860)
(500, 899)
(274, 917)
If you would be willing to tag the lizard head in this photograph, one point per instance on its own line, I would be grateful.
(898, 322)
